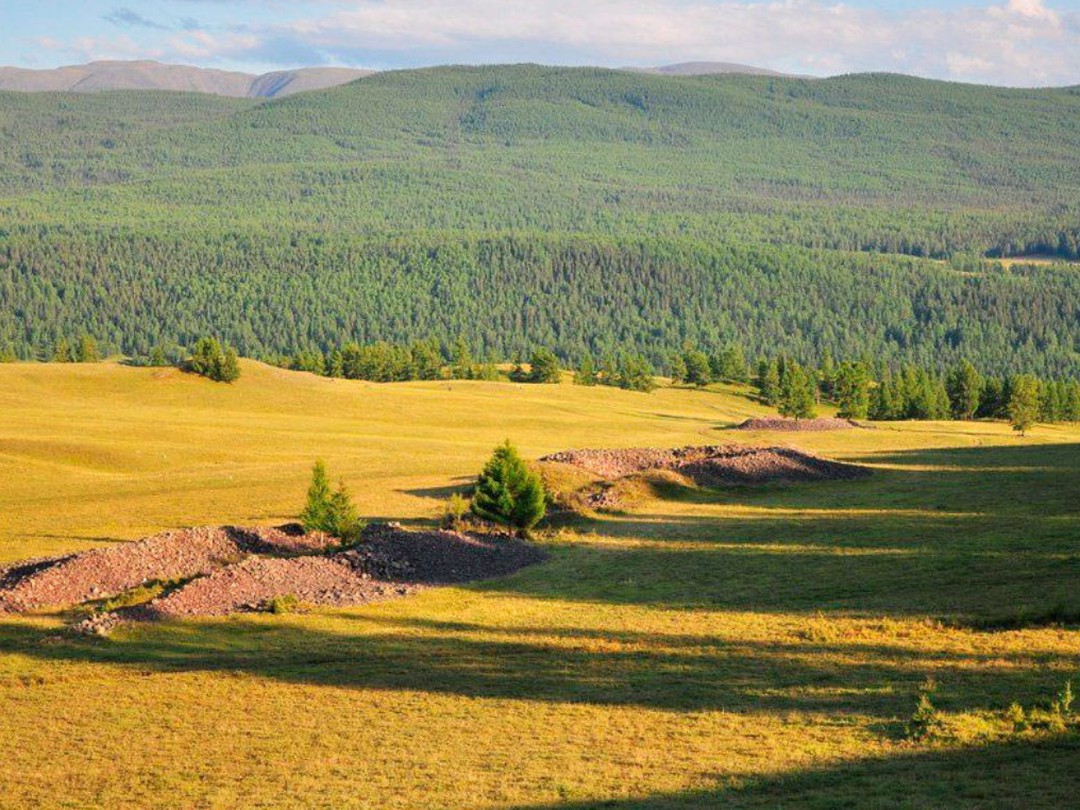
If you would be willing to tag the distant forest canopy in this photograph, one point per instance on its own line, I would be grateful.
(580, 209)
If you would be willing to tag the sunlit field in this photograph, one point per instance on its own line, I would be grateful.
(742, 647)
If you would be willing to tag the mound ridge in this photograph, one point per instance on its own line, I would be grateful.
(104, 572)
(712, 464)
(227, 569)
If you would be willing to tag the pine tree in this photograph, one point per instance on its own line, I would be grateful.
(87, 351)
(851, 388)
(462, 366)
(586, 372)
(964, 387)
(769, 382)
(635, 374)
(544, 367)
(698, 371)
(1023, 407)
(62, 352)
(316, 514)
(343, 521)
(677, 369)
(507, 492)
(796, 393)
(228, 366)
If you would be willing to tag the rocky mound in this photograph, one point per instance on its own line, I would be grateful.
(105, 572)
(229, 570)
(711, 465)
(780, 423)
(388, 562)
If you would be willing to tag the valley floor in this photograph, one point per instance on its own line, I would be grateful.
(745, 647)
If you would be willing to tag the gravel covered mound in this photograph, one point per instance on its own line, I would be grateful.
(712, 464)
(388, 562)
(104, 572)
(612, 464)
(766, 464)
(779, 423)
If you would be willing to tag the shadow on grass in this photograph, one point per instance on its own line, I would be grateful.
(667, 672)
(1021, 774)
(958, 534)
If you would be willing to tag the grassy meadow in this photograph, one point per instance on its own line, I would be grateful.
(738, 647)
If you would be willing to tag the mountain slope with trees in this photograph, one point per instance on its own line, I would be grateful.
(580, 209)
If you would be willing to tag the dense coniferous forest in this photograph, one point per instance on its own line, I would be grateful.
(588, 211)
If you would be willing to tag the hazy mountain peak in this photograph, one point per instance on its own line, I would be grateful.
(149, 75)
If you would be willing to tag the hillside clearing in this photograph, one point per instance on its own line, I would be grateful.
(757, 648)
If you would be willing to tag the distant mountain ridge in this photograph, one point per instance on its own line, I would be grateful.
(148, 75)
(96, 77)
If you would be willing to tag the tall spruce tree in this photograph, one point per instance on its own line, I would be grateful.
(507, 492)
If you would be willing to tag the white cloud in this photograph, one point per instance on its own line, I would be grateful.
(1022, 42)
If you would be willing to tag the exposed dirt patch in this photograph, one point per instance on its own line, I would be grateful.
(712, 464)
(229, 570)
(780, 423)
(104, 572)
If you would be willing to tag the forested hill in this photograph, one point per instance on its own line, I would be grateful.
(583, 208)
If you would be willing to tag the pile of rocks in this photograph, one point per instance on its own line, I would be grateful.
(235, 570)
(104, 572)
(712, 464)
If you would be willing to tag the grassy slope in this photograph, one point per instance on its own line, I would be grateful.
(756, 647)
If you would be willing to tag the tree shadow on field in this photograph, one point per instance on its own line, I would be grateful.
(876, 547)
(462, 483)
(567, 665)
(979, 532)
(1036, 774)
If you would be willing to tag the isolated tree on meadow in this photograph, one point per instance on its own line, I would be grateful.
(329, 511)
(316, 514)
(1023, 407)
(213, 362)
(508, 493)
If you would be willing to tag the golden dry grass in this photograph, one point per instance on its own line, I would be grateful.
(751, 647)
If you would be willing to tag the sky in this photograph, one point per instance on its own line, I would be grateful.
(1007, 42)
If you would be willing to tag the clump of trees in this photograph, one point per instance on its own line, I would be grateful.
(330, 510)
(85, 350)
(543, 368)
(631, 372)
(788, 387)
(861, 389)
(507, 492)
(695, 367)
(213, 361)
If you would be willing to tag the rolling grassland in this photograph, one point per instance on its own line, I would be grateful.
(738, 646)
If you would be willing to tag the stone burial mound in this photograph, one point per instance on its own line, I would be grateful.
(217, 571)
(780, 423)
(712, 465)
